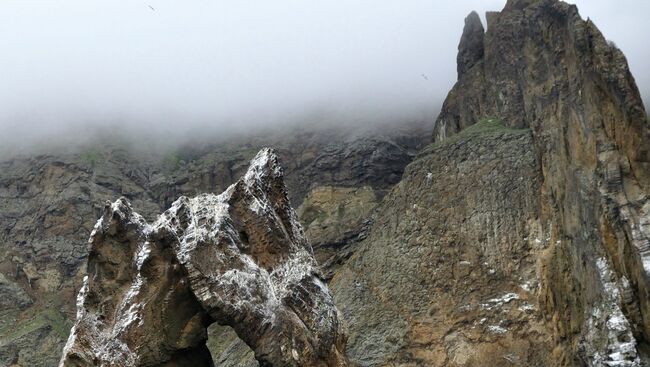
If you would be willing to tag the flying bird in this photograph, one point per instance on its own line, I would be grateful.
(151, 7)
(425, 77)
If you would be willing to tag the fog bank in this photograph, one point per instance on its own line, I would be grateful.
(73, 68)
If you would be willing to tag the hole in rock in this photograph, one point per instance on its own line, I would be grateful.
(227, 349)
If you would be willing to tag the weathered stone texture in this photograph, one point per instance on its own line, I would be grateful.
(240, 259)
(447, 275)
(51, 202)
(546, 69)
(471, 48)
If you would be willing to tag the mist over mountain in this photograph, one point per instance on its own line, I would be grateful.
(340, 184)
(76, 69)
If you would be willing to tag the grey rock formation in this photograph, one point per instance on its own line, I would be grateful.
(51, 203)
(447, 275)
(471, 47)
(16, 296)
(546, 69)
(240, 259)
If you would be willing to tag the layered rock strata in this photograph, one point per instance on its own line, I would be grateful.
(540, 66)
(502, 248)
(448, 273)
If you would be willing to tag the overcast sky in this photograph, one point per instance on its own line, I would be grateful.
(161, 64)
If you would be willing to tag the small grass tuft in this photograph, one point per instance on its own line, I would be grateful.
(92, 157)
(487, 126)
(172, 161)
(484, 127)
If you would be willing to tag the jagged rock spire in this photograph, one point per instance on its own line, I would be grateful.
(471, 47)
(239, 258)
(547, 69)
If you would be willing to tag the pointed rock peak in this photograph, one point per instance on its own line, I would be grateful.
(546, 69)
(519, 4)
(471, 48)
(473, 18)
(264, 166)
(118, 217)
(263, 187)
(239, 258)
(263, 190)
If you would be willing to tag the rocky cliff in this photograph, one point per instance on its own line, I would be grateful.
(51, 203)
(520, 237)
(240, 259)
(544, 68)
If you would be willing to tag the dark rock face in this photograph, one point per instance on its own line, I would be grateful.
(471, 47)
(447, 275)
(538, 54)
(239, 258)
(546, 69)
(51, 203)
(520, 237)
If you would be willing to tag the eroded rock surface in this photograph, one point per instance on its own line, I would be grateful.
(50, 204)
(471, 48)
(240, 259)
(447, 275)
(504, 248)
(519, 238)
(545, 68)
(337, 218)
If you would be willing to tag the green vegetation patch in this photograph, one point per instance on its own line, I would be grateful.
(485, 127)
(92, 157)
(172, 161)
(49, 318)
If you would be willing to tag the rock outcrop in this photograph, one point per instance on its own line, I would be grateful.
(521, 236)
(240, 259)
(447, 275)
(546, 69)
(471, 48)
(50, 204)
(501, 248)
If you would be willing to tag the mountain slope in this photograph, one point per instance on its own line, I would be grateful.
(521, 236)
(51, 202)
(447, 275)
(546, 69)
(554, 251)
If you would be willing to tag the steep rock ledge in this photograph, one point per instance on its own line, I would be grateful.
(240, 259)
(448, 274)
(546, 69)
